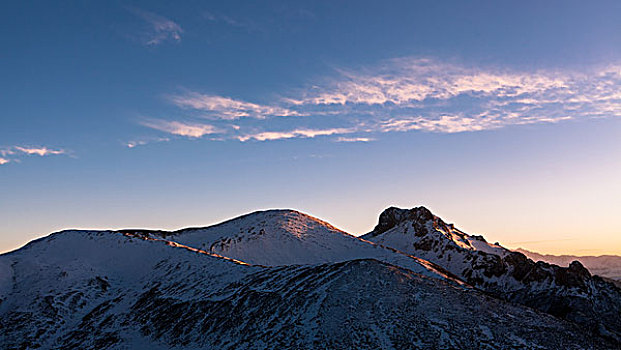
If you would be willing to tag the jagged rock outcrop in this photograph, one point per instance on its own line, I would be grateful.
(569, 292)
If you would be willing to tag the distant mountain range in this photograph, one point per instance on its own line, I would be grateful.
(608, 266)
(281, 279)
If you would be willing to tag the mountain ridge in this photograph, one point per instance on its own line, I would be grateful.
(606, 265)
(294, 274)
(108, 290)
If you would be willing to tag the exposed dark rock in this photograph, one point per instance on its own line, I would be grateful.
(567, 292)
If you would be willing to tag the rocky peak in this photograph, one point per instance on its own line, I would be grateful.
(418, 216)
(577, 268)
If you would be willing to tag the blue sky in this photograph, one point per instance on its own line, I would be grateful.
(500, 117)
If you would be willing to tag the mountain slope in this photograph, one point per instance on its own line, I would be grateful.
(571, 293)
(58, 283)
(608, 266)
(286, 237)
(119, 290)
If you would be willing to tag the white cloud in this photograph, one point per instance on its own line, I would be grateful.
(305, 133)
(132, 144)
(13, 154)
(194, 130)
(6, 151)
(354, 139)
(423, 94)
(142, 142)
(41, 151)
(227, 108)
(159, 29)
(404, 81)
(408, 94)
(443, 124)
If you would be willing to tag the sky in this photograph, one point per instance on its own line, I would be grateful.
(501, 117)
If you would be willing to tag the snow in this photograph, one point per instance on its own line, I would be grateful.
(209, 288)
(286, 237)
(70, 256)
(451, 248)
(499, 271)
(482, 246)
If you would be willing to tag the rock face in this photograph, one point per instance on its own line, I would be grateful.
(569, 292)
(114, 290)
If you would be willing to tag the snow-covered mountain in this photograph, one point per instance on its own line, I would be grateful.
(608, 266)
(568, 292)
(267, 280)
(55, 288)
(287, 237)
(115, 290)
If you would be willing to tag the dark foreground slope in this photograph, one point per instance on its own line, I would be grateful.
(109, 290)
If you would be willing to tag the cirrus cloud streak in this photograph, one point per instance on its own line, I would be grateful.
(189, 129)
(158, 28)
(303, 133)
(407, 94)
(13, 154)
(220, 107)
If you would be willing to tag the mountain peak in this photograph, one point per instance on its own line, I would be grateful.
(419, 216)
(274, 216)
(570, 292)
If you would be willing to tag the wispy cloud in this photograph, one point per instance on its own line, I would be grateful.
(132, 144)
(145, 141)
(407, 94)
(13, 154)
(354, 139)
(181, 128)
(245, 24)
(221, 107)
(408, 80)
(304, 133)
(41, 151)
(423, 94)
(159, 29)
(5, 151)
